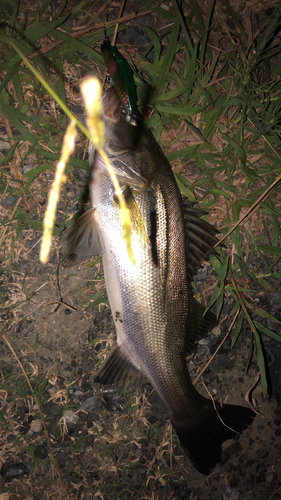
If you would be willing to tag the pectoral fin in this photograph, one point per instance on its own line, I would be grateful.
(83, 237)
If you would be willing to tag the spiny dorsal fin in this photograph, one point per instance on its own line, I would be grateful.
(83, 237)
(116, 368)
(200, 238)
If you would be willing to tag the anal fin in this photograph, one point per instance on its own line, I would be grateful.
(116, 368)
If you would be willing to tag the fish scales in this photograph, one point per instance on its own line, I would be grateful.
(157, 320)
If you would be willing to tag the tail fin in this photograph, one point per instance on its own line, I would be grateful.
(203, 439)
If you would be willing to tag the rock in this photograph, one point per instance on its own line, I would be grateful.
(11, 471)
(230, 494)
(10, 201)
(4, 496)
(269, 478)
(71, 417)
(41, 452)
(91, 404)
(36, 425)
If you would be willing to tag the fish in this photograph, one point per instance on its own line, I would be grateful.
(157, 319)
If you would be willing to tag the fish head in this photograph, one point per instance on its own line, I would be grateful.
(129, 146)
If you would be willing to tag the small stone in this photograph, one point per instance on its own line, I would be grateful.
(41, 452)
(26, 167)
(270, 478)
(5, 496)
(36, 425)
(90, 404)
(82, 416)
(70, 417)
(203, 350)
(216, 330)
(260, 468)
(10, 201)
(52, 391)
(230, 494)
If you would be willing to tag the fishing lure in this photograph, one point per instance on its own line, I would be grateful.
(122, 78)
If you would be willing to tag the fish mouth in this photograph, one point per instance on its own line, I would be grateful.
(112, 105)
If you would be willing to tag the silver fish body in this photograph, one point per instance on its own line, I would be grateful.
(156, 317)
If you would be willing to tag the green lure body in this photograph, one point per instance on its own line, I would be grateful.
(122, 77)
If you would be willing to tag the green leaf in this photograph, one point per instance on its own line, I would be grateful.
(223, 269)
(156, 42)
(219, 288)
(168, 58)
(25, 220)
(185, 186)
(216, 263)
(39, 30)
(182, 21)
(180, 111)
(96, 299)
(271, 250)
(236, 147)
(270, 333)
(219, 192)
(250, 355)
(75, 162)
(237, 328)
(161, 12)
(30, 176)
(262, 313)
(219, 303)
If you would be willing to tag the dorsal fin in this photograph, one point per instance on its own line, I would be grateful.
(200, 237)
